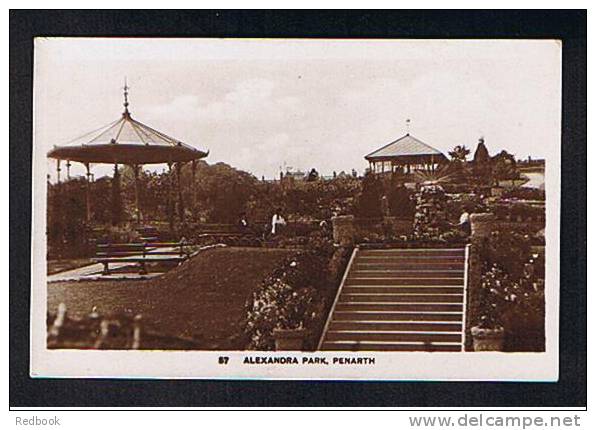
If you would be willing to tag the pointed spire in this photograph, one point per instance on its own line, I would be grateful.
(126, 88)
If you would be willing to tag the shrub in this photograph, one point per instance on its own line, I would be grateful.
(401, 203)
(369, 202)
(429, 220)
(512, 290)
(523, 193)
(292, 297)
(494, 285)
(513, 211)
(507, 250)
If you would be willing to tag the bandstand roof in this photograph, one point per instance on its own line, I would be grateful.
(405, 147)
(126, 141)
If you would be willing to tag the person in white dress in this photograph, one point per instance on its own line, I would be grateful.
(464, 222)
(277, 221)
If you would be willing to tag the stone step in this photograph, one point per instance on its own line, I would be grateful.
(397, 266)
(404, 281)
(389, 346)
(421, 308)
(374, 326)
(377, 315)
(392, 336)
(412, 252)
(403, 289)
(400, 298)
(405, 273)
(408, 260)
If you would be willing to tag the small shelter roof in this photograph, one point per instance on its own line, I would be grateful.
(406, 146)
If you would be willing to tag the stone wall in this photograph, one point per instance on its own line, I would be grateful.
(348, 230)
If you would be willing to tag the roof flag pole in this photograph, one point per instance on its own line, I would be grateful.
(126, 88)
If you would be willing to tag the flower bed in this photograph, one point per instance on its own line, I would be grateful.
(524, 193)
(518, 212)
(291, 298)
(112, 331)
(511, 295)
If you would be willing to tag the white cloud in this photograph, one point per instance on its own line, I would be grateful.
(320, 104)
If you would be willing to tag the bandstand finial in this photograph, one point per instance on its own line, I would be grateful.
(408, 126)
(125, 88)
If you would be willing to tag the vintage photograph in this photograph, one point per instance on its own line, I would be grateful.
(343, 202)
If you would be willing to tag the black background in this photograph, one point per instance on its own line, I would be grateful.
(569, 26)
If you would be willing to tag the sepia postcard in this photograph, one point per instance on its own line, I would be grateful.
(296, 209)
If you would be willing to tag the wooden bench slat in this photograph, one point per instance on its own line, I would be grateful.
(146, 252)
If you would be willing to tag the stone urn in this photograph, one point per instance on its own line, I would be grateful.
(488, 339)
(289, 339)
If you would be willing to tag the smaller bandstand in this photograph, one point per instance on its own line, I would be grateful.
(404, 156)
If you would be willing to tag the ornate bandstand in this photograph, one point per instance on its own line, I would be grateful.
(129, 142)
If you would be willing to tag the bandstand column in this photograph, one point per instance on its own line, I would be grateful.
(116, 197)
(179, 185)
(170, 208)
(58, 190)
(88, 193)
(136, 170)
(192, 185)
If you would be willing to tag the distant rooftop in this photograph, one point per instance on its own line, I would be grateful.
(405, 146)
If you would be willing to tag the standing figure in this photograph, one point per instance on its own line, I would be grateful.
(464, 222)
(277, 221)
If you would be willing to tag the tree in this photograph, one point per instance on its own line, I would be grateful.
(459, 153)
(369, 203)
(400, 202)
(458, 166)
(313, 175)
(481, 164)
(481, 154)
(504, 167)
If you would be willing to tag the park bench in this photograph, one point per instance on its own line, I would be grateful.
(230, 234)
(148, 233)
(141, 253)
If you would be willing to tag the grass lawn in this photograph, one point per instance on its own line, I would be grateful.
(203, 298)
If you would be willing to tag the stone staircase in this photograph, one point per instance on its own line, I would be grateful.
(400, 300)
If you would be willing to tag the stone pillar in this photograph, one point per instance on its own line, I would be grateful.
(344, 231)
(481, 226)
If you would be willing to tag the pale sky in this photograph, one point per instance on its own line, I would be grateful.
(258, 104)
